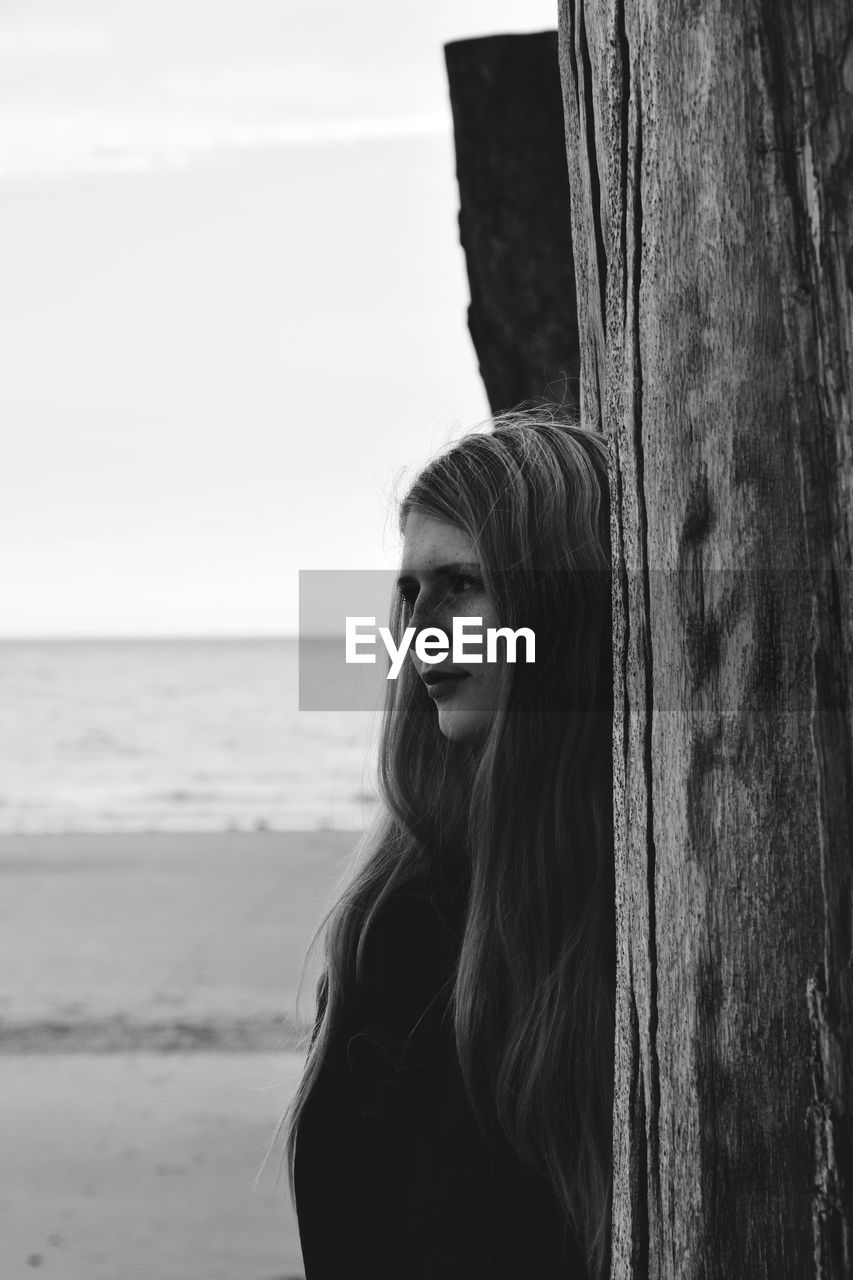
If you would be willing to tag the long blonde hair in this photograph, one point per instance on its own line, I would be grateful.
(525, 816)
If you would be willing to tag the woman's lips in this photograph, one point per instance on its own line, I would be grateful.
(443, 685)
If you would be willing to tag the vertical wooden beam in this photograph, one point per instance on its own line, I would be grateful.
(514, 215)
(711, 167)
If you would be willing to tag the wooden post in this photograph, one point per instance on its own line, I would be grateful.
(514, 215)
(711, 170)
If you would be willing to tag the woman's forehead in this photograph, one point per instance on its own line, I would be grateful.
(430, 542)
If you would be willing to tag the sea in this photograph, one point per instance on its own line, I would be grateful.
(174, 736)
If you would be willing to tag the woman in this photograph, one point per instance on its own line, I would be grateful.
(454, 1117)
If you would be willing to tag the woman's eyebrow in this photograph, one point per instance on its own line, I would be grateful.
(408, 576)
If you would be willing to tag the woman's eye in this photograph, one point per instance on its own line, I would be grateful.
(460, 584)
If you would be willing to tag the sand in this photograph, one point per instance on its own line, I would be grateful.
(125, 935)
(142, 1167)
(149, 1043)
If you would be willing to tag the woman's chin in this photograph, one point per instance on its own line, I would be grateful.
(461, 725)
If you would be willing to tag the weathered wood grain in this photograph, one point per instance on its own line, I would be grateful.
(711, 166)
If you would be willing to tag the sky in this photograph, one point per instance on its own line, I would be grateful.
(233, 309)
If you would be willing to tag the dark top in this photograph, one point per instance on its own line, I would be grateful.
(394, 1179)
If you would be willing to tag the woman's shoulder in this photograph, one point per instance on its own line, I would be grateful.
(421, 920)
(413, 940)
(404, 971)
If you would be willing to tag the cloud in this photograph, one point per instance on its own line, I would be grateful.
(57, 143)
(34, 43)
(132, 115)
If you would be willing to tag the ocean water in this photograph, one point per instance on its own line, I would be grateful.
(174, 735)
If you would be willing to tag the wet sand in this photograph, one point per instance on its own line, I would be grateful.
(149, 1042)
(143, 1166)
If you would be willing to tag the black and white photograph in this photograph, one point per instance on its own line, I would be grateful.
(426, 640)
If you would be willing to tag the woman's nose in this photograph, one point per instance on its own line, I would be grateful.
(421, 617)
(429, 611)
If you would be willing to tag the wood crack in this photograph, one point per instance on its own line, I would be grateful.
(594, 187)
(653, 1083)
(829, 1219)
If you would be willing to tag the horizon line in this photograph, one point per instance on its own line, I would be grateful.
(106, 637)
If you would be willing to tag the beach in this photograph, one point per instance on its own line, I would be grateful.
(151, 1039)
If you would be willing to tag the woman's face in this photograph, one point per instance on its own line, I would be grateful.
(440, 577)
